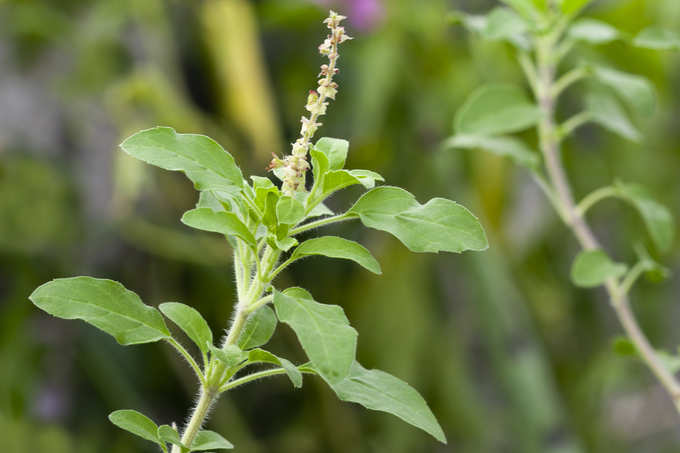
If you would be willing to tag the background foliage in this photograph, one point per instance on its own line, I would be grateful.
(510, 355)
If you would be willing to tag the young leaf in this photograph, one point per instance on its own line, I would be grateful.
(657, 39)
(320, 165)
(136, 423)
(323, 331)
(571, 7)
(208, 199)
(608, 113)
(475, 23)
(593, 267)
(530, 9)
(438, 225)
(105, 304)
(230, 355)
(209, 440)
(380, 391)
(505, 24)
(190, 321)
(636, 90)
(319, 210)
(496, 110)
(263, 187)
(623, 346)
(593, 31)
(204, 162)
(502, 146)
(657, 218)
(335, 180)
(281, 243)
(226, 223)
(335, 150)
(337, 247)
(258, 329)
(167, 433)
(262, 356)
(289, 210)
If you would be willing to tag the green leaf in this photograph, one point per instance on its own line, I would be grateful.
(530, 9)
(226, 223)
(657, 218)
(289, 210)
(438, 225)
(136, 423)
(207, 199)
(654, 271)
(670, 361)
(623, 346)
(593, 31)
(204, 162)
(335, 180)
(209, 440)
(262, 356)
(105, 304)
(380, 391)
(263, 187)
(496, 110)
(230, 355)
(337, 247)
(190, 321)
(258, 329)
(505, 24)
(320, 165)
(335, 150)
(636, 90)
(571, 7)
(475, 23)
(284, 244)
(608, 113)
(657, 39)
(167, 433)
(593, 267)
(502, 146)
(320, 210)
(323, 331)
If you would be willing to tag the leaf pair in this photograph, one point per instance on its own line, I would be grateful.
(142, 426)
(330, 343)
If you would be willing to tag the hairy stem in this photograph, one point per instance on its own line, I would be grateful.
(549, 144)
(199, 415)
(210, 386)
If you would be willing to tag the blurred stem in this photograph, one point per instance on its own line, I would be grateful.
(549, 144)
(594, 197)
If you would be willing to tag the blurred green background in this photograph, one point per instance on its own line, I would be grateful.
(510, 356)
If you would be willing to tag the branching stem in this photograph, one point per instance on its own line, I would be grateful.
(545, 95)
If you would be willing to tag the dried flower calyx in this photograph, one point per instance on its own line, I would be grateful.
(292, 168)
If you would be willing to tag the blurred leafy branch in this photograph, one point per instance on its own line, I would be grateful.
(543, 33)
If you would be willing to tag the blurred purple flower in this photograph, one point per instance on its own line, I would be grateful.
(363, 15)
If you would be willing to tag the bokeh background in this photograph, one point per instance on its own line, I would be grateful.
(511, 357)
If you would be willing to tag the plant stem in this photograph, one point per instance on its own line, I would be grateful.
(549, 145)
(210, 385)
(594, 197)
(319, 223)
(199, 415)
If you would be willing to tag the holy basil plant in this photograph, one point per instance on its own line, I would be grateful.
(267, 226)
(544, 35)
